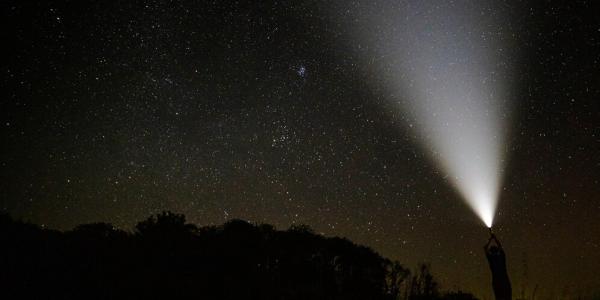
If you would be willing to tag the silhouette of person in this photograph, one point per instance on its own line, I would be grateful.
(497, 261)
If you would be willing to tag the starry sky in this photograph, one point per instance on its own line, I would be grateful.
(266, 111)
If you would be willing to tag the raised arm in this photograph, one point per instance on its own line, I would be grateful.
(487, 245)
(497, 241)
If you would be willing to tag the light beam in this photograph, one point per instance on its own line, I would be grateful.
(449, 61)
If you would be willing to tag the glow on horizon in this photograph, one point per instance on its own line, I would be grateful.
(445, 65)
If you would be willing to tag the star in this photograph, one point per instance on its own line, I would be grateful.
(301, 71)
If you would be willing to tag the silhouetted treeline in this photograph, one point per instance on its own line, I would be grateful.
(167, 258)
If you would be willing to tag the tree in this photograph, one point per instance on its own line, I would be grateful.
(164, 225)
(423, 285)
(396, 278)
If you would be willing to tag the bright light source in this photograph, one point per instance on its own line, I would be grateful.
(445, 64)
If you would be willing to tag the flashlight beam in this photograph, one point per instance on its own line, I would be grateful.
(450, 63)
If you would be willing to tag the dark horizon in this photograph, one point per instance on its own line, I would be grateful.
(165, 257)
(268, 112)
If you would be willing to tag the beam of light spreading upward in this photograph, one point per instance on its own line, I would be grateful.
(446, 65)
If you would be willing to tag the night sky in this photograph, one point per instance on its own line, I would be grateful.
(266, 111)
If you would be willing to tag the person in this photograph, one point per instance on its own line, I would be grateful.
(497, 261)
